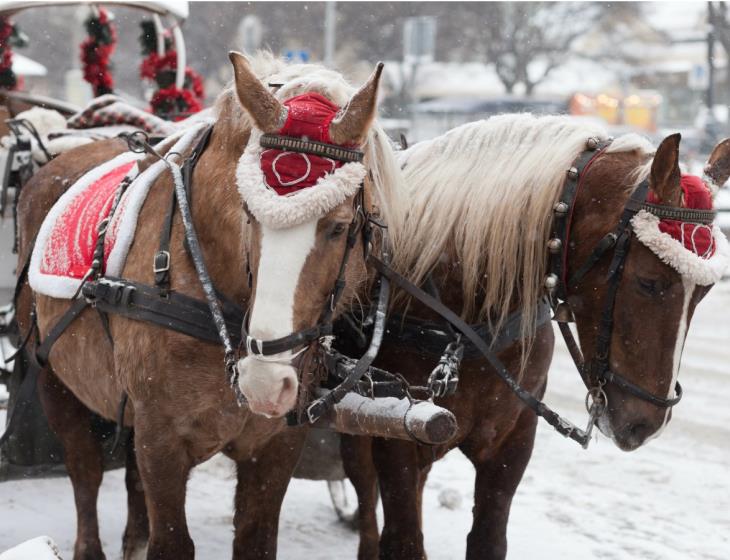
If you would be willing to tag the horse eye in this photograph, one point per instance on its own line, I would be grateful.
(649, 286)
(337, 230)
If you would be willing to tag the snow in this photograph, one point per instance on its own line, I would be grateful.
(667, 501)
(40, 548)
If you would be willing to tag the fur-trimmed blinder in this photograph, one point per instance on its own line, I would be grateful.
(284, 186)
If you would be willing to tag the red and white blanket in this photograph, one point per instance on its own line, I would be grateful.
(66, 241)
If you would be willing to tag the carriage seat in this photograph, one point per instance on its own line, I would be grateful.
(104, 117)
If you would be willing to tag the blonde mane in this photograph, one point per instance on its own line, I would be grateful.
(296, 79)
(482, 196)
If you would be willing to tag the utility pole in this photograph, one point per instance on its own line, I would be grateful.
(330, 28)
(710, 66)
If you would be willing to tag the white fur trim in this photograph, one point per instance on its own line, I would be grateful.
(702, 272)
(711, 184)
(279, 212)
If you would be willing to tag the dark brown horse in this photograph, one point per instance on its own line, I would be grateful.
(180, 404)
(480, 211)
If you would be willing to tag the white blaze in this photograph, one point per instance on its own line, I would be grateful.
(689, 288)
(270, 383)
(283, 254)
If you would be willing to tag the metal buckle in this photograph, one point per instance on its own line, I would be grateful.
(161, 262)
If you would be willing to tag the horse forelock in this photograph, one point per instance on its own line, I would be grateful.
(482, 194)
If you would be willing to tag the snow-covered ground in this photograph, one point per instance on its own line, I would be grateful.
(668, 501)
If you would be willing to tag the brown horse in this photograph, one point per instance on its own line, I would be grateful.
(479, 220)
(180, 404)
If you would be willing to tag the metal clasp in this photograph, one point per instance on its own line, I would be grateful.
(161, 262)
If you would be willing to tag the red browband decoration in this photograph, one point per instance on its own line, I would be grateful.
(695, 237)
(309, 116)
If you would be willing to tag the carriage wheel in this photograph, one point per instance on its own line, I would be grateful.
(344, 500)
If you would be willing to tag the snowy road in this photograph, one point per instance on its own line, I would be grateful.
(668, 501)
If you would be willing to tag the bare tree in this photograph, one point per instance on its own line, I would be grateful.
(527, 41)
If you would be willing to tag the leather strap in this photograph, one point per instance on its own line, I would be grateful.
(177, 312)
(431, 338)
(560, 424)
(161, 264)
(72, 313)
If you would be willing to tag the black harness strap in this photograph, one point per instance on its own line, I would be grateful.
(320, 406)
(161, 264)
(431, 338)
(38, 361)
(560, 424)
(72, 313)
(177, 312)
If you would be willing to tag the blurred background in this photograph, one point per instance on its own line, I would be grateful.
(649, 66)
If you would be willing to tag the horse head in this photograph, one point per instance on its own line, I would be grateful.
(670, 265)
(308, 195)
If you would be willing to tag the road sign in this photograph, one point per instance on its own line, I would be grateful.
(419, 39)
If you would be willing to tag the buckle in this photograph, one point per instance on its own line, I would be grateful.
(161, 262)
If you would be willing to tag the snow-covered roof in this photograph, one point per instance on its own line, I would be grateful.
(176, 8)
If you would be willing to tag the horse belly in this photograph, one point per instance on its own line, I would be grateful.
(82, 357)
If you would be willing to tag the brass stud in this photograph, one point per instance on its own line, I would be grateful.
(551, 281)
(561, 208)
(554, 245)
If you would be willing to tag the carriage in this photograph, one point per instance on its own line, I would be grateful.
(344, 394)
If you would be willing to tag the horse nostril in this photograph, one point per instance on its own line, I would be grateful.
(639, 432)
(287, 384)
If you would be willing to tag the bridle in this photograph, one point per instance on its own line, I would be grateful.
(361, 225)
(597, 372)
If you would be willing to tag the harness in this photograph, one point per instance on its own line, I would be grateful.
(597, 372)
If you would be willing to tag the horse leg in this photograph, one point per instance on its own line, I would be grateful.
(71, 422)
(137, 531)
(262, 482)
(498, 474)
(400, 480)
(164, 465)
(357, 459)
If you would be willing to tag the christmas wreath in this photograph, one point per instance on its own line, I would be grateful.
(10, 37)
(168, 100)
(96, 50)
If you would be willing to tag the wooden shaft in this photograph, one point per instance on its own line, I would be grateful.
(390, 417)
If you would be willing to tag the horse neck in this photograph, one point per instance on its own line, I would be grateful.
(218, 214)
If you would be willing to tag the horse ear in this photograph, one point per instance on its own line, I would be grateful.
(352, 126)
(717, 169)
(665, 175)
(264, 108)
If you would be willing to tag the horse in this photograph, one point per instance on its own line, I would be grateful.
(180, 404)
(481, 203)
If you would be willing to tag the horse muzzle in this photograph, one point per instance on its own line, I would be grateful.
(270, 388)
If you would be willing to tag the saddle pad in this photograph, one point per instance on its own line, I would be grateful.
(66, 241)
